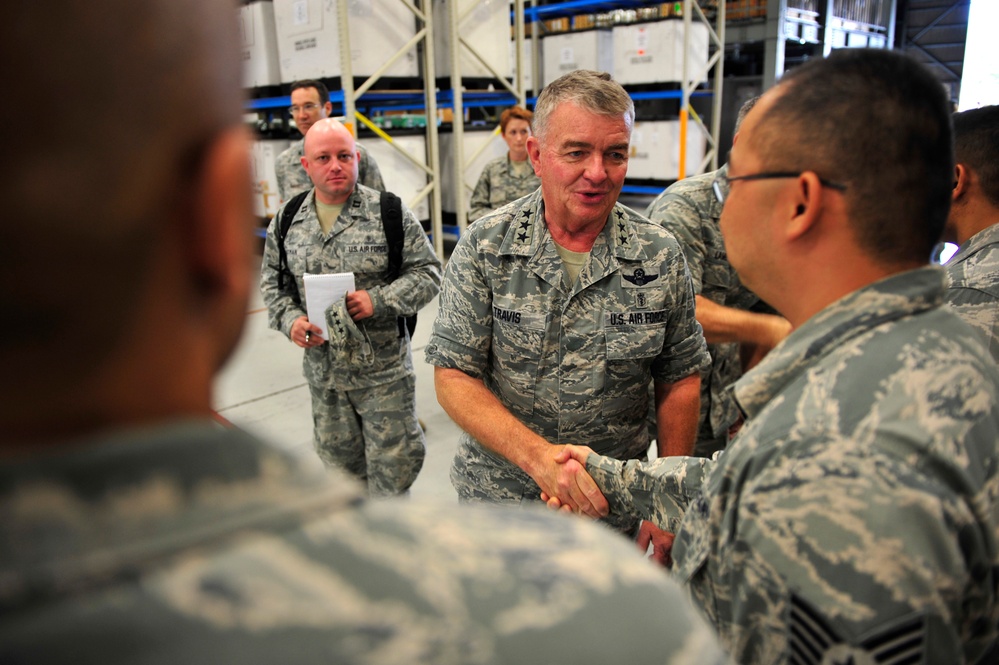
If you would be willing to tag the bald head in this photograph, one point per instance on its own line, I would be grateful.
(331, 160)
(141, 90)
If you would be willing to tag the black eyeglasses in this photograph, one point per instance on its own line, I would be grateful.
(720, 194)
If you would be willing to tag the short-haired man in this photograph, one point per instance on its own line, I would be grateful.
(735, 321)
(362, 382)
(973, 223)
(507, 178)
(310, 103)
(855, 517)
(559, 309)
(135, 529)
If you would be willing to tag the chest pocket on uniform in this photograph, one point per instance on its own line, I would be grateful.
(518, 344)
(717, 275)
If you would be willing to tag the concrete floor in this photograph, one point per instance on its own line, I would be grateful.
(262, 390)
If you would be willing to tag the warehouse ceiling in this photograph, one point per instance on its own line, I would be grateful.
(934, 32)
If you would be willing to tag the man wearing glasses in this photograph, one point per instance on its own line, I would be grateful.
(739, 328)
(854, 518)
(310, 103)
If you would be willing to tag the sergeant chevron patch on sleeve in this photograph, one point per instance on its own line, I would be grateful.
(814, 642)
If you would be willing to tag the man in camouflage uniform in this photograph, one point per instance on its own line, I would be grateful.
(310, 103)
(507, 178)
(362, 382)
(557, 312)
(973, 223)
(855, 517)
(724, 307)
(135, 529)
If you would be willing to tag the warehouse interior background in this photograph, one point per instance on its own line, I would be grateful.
(423, 84)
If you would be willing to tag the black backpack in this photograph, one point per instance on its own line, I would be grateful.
(391, 209)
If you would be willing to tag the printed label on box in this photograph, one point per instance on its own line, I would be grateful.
(300, 12)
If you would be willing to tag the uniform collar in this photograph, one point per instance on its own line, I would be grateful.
(886, 300)
(982, 239)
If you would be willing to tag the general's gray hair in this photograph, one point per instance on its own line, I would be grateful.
(590, 90)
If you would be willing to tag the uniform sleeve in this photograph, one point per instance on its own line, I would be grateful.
(368, 173)
(419, 276)
(462, 334)
(658, 491)
(479, 204)
(282, 310)
(281, 173)
(678, 215)
(685, 352)
(847, 555)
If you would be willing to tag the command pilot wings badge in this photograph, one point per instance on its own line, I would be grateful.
(639, 278)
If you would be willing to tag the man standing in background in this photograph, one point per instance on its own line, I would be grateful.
(725, 308)
(973, 289)
(310, 103)
(361, 380)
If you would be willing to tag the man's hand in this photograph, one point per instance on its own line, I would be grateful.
(662, 543)
(305, 334)
(569, 487)
(359, 305)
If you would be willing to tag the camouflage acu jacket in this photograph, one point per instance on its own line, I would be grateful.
(186, 543)
(573, 362)
(855, 517)
(689, 210)
(499, 185)
(973, 288)
(292, 178)
(356, 244)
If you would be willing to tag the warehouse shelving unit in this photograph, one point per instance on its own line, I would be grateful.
(534, 15)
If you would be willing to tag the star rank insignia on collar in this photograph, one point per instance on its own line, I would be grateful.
(813, 642)
(639, 278)
(522, 237)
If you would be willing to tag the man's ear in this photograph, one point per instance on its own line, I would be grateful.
(962, 181)
(219, 235)
(533, 150)
(804, 205)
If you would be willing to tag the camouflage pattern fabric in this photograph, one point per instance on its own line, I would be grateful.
(356, 243)
(690, 211)
(372, 433)
(571, 362)
(498, 185)
(973, 288)
(187, 543)
(292, 178)
(858, 508)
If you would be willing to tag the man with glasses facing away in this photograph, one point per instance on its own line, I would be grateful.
(738, 327)
(854, 518)
(310, 103)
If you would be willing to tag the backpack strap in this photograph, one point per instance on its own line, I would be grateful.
(287, 216)
(391, 209)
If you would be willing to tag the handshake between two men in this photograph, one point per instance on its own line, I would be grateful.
(580, 493)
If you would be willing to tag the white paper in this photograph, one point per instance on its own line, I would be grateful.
(321, 291)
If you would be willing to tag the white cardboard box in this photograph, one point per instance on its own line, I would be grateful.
(260, 55)
(486, 29)
(402, 177)
(590, 49)
(265, 190)
(655, 150)
(473, 140)
(653, 52)
(309, 41)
